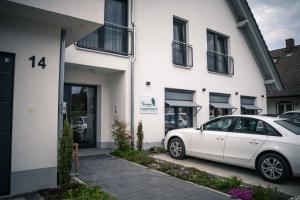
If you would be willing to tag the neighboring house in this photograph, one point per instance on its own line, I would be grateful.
(168, 63)
(287, 61)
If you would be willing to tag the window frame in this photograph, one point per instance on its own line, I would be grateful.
(284, 103)
(234, 120)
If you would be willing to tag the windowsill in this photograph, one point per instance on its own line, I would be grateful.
(182, 66)
(219, 73)
(102, 52)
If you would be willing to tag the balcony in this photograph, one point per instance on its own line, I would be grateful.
(220, 63)
(182, 54)
(110, 38)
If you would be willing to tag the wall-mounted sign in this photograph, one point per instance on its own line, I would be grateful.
(148, 104)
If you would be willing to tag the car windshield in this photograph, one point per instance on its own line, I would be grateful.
(290, 124)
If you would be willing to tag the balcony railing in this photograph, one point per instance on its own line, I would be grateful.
(182, 54)
(109, 38)
(220, 63)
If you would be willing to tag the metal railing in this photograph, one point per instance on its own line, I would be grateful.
(182, 54)
(111, 38)
(220, 63)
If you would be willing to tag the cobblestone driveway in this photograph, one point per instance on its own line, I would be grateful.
(129, 181)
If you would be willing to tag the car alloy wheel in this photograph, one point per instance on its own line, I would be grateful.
(176, 148)
(272, 168)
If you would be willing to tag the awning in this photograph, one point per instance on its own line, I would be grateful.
(251, 107)
(222, 105)
(175, 103)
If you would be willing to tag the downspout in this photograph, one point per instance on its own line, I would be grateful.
(132, 75)
(61, 83)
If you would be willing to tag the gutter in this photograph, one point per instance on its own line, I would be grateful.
(132, 75)
(61, 83)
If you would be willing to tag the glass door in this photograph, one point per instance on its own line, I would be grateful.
(81, 104)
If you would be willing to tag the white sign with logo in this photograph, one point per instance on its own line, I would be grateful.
(148, 104)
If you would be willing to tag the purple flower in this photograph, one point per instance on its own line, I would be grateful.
(244, 194)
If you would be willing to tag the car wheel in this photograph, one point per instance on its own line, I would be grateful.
(274, 168)
(176, 148)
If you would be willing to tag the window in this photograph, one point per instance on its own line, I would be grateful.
(219, 105)
(222, 124)
(113, 36)
(290, 124)
(283, 107)
(272, 131)
(250, 126)
(248, 106)
(217, 54)
(179, 42)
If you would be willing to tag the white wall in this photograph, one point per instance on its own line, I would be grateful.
(154, 35)
(154, 58)
(272, 102)
(34, 132)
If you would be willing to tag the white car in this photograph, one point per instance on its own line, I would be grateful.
(269, 145)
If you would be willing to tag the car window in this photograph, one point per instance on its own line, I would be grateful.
(250, 126)
(222, 124)
(290, 124)
(272, 131)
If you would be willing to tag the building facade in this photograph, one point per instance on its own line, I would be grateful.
(169, 64)
(287, 61)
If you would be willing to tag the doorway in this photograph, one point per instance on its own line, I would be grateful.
(7, 65)
(81, 113)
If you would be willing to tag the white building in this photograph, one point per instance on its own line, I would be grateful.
(175, 62)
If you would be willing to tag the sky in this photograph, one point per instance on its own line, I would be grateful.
(278, 20)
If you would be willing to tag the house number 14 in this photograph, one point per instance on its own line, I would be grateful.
(41, 63)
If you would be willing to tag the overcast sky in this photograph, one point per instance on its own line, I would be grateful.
(277, 20)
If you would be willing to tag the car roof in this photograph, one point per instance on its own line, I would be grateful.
(261, 117)
(293, 111)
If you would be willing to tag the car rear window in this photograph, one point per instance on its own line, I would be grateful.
(291, 125)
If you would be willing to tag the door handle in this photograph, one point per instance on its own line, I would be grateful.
(220, 138)
(253, 142)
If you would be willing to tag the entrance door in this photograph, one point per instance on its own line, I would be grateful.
(81, 103)
(6, 99)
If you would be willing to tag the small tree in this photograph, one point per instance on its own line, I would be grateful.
(140, 136)
(120, 135)
(65, 156)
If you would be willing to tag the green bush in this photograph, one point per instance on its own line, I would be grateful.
(120, 135)
(140, 136)
(261, 193)
(86, 192)
(65, 156)
(140, 157)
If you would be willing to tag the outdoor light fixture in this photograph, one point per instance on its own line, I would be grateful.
(203, 89)
(262, 96)
(148, 83)
(236, 93)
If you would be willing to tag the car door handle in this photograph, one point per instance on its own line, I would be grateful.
(220, 138)
(253, 142)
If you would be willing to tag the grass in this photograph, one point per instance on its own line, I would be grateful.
(225, 185)
(77, 191)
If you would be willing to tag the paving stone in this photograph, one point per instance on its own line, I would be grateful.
(126, 180)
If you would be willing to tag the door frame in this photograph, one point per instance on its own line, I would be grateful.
(11, 108)
(70, 84)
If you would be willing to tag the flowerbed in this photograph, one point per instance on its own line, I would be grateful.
(231, 185)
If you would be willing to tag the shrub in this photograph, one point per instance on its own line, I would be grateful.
(157, 150)
(65, 156)
(140, 157)
(86, 192)
(120, 135)
(140, 136)
(269, 193)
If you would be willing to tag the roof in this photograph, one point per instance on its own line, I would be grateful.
(288, 68)
(250, 30)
